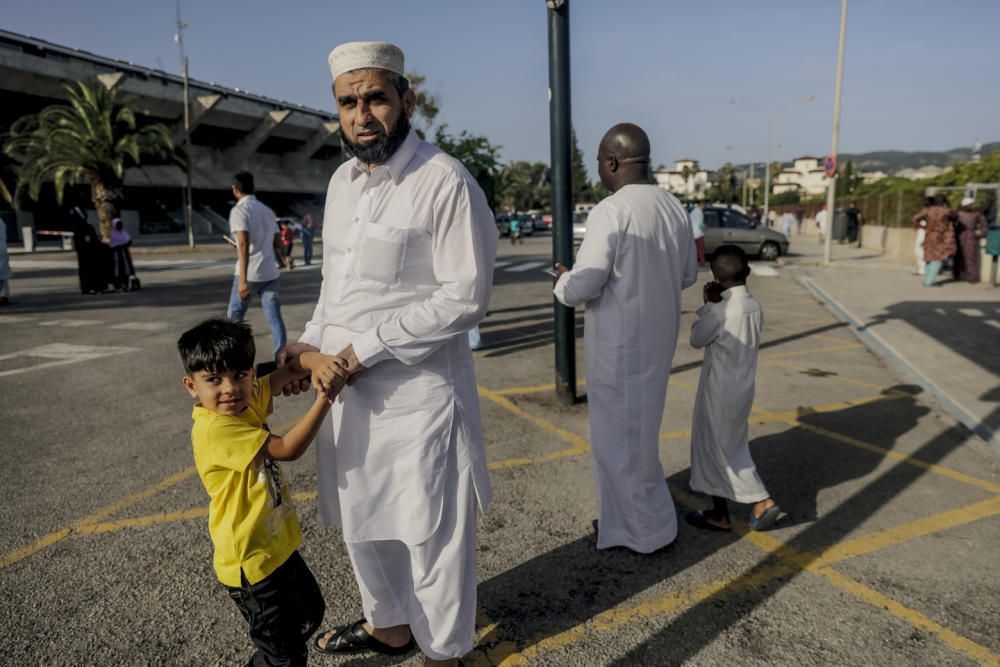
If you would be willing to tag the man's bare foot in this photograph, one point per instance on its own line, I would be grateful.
(759, 508)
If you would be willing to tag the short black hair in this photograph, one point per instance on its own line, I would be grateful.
(243, 181)
(729, 262)
(217, 345)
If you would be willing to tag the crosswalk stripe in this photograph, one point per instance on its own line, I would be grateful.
(763, 270)
(141, 326)
(69, 323)
(501, 264)
(526, 266)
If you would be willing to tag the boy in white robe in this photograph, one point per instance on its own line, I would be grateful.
(728, 327)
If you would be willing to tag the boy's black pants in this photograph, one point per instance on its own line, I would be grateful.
(283, 610)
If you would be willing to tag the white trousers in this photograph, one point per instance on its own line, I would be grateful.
(429, 586)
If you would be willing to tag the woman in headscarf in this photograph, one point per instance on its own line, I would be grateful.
(939, 242)
(970, 229)
(90, 254)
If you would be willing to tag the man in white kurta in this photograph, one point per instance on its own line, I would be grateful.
(637, 255)
(728, 328)
(408, 250)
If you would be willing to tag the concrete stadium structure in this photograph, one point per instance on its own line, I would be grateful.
(292, 150)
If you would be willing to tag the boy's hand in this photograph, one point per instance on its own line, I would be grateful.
(712, 292)
(329, 374)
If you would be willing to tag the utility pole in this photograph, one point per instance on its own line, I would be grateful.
(187, 203)
(560, 128)
(831, 193)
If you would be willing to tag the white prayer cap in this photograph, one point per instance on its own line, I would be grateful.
(968, 201)
(365, 55)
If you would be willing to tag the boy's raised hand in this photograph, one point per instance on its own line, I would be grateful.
(712, 292)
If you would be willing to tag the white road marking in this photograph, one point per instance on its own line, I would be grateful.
(972, 312)
(763, 271)
(501, 264)
(526, 267)
(7, 319)
(62, 354)
(141, 326)
(69, 323)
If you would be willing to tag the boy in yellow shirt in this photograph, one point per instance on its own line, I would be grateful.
(251, 518)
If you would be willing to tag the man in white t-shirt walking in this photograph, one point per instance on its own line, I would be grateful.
(255, 229)
(697, 218)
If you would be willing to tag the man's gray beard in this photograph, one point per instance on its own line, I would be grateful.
(383, 148)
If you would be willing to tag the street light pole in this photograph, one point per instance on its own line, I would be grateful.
(767, 171)
(188, 204)
(831, 194)
(770, 116)
(560, 128)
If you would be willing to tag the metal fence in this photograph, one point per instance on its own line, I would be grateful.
(889, 210)
(895, 209)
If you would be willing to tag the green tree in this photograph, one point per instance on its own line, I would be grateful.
(479, 156)
(724, 186)
(848, 179)
(93, 140)
(428, 105)
(599, 192)
(524, 186)
(581, 182)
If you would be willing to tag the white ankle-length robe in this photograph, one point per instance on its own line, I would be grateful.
(720, 450)
(638, 253)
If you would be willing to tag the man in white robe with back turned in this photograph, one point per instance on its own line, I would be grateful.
(408, 249)
(637, 256)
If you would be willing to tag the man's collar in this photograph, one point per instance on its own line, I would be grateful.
(396, 164)
(738, 290)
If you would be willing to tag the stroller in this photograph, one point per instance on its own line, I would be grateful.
(122, 270)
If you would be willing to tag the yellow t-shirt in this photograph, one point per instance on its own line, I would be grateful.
(250, 517)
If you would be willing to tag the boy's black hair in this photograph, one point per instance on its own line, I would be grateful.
(243, 180)
(217, 345)
(729, 262)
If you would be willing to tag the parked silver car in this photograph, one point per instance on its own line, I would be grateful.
(726, 226)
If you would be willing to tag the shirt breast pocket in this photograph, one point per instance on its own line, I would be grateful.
(383, 250)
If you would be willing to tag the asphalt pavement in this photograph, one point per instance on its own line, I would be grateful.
(884, 556)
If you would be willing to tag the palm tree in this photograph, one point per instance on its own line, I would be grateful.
(91, 140)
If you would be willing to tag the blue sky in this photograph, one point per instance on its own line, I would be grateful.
(919, 74)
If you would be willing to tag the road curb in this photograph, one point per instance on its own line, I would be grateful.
(897, 361)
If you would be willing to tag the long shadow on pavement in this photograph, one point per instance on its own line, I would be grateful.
(572, 584)
(796, 465)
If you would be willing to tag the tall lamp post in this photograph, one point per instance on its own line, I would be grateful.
(560, 128)
(831, 193)
(188, 205)
(771, 115)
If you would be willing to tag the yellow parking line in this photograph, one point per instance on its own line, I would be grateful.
(792, 560)
(949, 637)
(21, 553)
(767, 358)
(577, 441)
(893, 454)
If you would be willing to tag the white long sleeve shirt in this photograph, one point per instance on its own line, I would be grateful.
(408, 253)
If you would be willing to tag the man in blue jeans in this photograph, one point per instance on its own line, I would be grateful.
(255, 229)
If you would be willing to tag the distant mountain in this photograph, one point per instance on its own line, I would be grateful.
(892, 161)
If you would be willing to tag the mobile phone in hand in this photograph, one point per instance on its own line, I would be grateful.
(551, 271)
